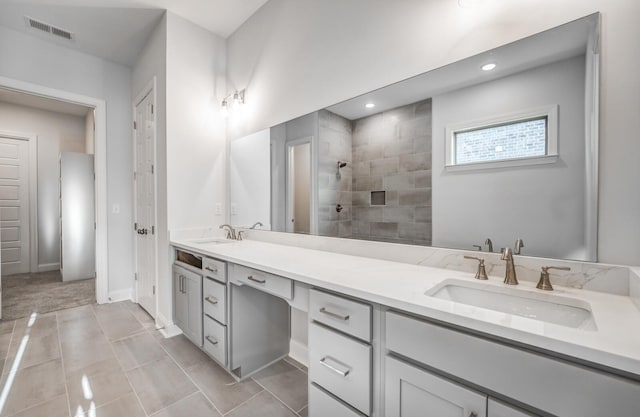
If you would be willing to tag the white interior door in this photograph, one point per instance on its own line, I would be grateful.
(14, 206)
(145, 210)
(299, 186)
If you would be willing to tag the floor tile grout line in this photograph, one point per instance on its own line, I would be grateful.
(188, 376)
(64, 373)
(275, 396)
(181, 399)
(245, 401)
(144, 410)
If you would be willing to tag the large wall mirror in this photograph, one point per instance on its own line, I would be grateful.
(492, 150)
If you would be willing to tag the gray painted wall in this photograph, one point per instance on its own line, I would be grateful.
(542, 204)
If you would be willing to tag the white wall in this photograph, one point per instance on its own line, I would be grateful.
(30, 59)
(56, 132)
(541, 204)
(250, 180)
(295, 57)
(195, 135)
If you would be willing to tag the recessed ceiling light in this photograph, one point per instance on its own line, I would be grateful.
(489, 66)
(369, 105)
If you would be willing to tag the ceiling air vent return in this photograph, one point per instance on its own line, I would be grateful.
(47, 28)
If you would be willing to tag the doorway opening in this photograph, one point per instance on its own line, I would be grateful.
(299, 186)
(48, 200)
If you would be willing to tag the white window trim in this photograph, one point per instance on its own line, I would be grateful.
(549, 111)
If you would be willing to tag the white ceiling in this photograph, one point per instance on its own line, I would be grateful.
(544, 48)
(42, 103)
(117, 30)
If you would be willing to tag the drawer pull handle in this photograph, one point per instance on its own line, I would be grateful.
(208, 268)
(259, 281)
(211, 340)
(334, 368)
(211, 300)
(334, 315)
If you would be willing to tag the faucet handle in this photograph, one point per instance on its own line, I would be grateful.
(518, 246)
(506, 253)
(545, 283)
(481, 273)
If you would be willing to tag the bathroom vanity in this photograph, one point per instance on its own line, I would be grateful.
(384, 341)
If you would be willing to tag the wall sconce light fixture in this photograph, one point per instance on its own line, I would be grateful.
(232, 102)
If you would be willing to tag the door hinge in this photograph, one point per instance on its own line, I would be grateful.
(135, 125)
(154, 290)
(135, 276)
(152, 169)
(134, 175)
(153, 230)
(152, 109)
(135, 226)
(95, 226)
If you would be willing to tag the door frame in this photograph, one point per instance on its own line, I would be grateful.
(32, 140)
(313, 199)
(100, 139)
(149, 88)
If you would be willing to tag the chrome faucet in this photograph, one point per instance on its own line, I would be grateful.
(489, 243)
(231, 232)
(510, 270)
(518, 247)
(256, 224)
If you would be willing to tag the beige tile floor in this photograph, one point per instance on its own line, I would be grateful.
(109, 361)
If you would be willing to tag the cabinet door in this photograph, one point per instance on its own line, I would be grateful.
(414, 392)
(498, 409)
(179, 298)
(193, 289)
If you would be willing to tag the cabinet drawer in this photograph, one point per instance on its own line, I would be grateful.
(322, 404)
(214, 269)
(215, 340)
(346, 315)
(553, 385)
(274, 284)
(341, 365)
(214, 300)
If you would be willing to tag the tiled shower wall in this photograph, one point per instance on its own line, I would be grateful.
(335, 144)
(392, 153)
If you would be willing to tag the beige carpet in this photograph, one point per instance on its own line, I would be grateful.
(23, 294)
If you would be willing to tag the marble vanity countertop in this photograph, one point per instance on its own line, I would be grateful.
(402, 286)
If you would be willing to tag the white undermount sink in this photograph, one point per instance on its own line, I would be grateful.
(545, 307)
(205, 240)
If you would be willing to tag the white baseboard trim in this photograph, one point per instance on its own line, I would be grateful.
(166, 327)
(299, 352)
(120, 295)
(49, 267)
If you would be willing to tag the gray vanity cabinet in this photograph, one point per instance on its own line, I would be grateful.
(187, 301)
(412, 392)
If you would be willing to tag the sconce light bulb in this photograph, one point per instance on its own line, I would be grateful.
(224, 110)
(236, 99)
